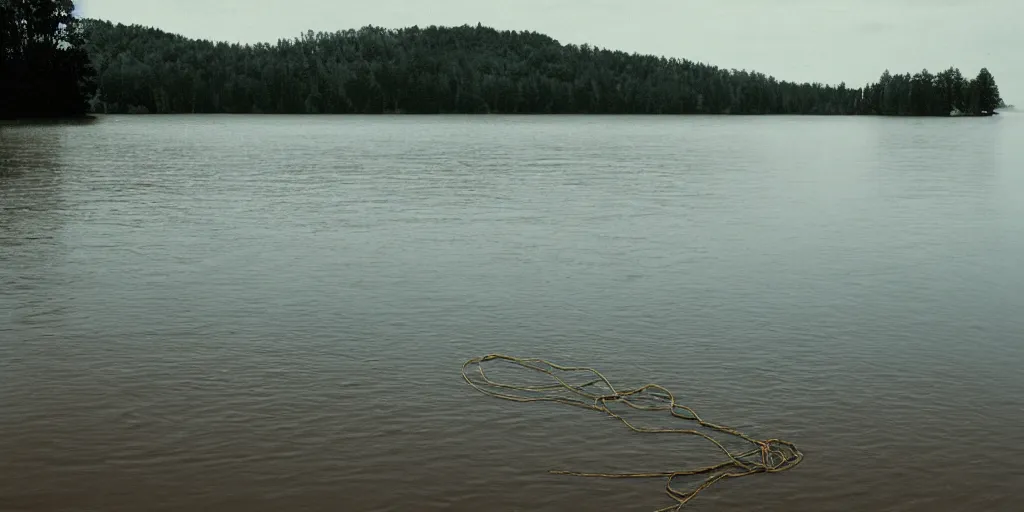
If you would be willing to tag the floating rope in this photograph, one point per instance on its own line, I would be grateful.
(768, 456)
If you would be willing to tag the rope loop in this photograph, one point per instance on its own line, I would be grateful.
(762, 456)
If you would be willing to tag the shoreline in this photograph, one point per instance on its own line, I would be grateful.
(89, 118)
(522, 114)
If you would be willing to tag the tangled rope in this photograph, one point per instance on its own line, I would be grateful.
(768, 456)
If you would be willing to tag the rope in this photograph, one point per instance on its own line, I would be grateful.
(767, 456)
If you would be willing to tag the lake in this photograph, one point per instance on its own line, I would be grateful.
(271, 313)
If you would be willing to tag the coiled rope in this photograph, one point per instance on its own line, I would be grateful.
(767, 456)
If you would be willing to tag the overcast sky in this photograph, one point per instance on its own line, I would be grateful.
(803, 40)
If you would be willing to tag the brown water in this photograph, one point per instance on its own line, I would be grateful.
(270, 313)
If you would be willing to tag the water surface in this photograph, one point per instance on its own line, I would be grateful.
(270, 313)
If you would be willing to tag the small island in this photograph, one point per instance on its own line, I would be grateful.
(98, 66)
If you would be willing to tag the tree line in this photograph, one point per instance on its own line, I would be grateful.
(44, 68)
(52, 64)
(474, 70)
(925, 94)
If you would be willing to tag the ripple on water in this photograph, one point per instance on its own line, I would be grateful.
(255, 313)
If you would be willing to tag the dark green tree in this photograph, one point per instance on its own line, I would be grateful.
(949, 85)
(44, 68)
(987, 91)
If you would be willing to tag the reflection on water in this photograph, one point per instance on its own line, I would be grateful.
(256, 313)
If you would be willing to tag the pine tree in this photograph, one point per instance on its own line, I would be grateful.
(987, 91)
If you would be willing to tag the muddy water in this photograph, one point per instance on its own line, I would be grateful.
(270, 313)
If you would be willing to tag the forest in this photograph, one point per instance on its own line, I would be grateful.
(474, 70)
(56, 65)
(44, 69)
